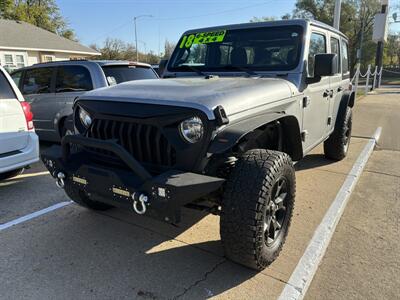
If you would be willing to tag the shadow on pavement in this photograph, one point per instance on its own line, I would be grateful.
(313, 161)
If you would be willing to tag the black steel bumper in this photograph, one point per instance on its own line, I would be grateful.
(166, 193)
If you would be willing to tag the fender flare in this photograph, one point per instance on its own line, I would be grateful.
(232, 135)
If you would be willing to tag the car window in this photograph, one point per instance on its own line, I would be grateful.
(335, 48)
(317, 46)
(73, 79)
(118, 74)
(345, 58)
(37, 81)
(16, 76)
(266, 49)
(6, 91)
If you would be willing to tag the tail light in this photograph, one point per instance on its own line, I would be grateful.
(26, 107)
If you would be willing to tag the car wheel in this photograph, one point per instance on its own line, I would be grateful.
(257, 208)
(11, 174)
(337, 145)
(79, 197)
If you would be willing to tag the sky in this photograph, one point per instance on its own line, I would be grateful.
(95, 20)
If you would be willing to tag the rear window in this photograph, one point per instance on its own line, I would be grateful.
(73, 79)
(118, 74)
(6, 92)
(37, 81)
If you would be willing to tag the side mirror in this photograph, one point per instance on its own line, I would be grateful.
(161, 66)
(325, 64)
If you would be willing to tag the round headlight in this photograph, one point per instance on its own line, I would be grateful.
(192, 129)
(85, 118)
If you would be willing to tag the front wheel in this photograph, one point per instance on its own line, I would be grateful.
(257, 207)
(337, 145)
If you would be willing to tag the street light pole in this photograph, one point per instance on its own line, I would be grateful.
(136, 39)
(336, 17)
(379, 48)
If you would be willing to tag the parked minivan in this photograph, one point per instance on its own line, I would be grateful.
(51, 88)
(19, 145)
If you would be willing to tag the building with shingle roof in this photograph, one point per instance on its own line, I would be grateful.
(23, 44)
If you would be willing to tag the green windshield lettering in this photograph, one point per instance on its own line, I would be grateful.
(202, 38)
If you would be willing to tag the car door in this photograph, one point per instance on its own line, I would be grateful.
(337, 85)
(38, 89)
(71, 82)
(316, 100)
(13, 128)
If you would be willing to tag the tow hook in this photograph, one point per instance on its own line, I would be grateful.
(60, 180)
(139, 203)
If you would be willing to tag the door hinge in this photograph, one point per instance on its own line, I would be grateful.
(306, 101)
(329, 121)
(304, 134)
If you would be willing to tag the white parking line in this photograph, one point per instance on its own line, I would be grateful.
(302, 276)
(34, 215)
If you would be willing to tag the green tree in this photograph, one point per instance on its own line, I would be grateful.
(41, 13)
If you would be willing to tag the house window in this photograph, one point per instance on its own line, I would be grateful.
(8, 59)
(48, 58)
(20, 60)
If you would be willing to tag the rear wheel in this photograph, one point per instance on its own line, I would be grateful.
(337, 145)
(79, 197)
(257, 208)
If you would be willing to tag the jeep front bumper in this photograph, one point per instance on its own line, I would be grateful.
(134, 187)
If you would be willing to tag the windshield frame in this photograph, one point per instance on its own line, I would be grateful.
(300, 28)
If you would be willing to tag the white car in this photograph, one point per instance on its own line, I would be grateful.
(19, 144)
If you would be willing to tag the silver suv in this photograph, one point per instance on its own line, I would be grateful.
(51, 88)
(242, 102)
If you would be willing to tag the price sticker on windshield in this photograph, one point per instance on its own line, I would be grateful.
(202, 38)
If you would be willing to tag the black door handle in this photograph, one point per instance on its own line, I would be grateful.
(339, 89)
(326, 93)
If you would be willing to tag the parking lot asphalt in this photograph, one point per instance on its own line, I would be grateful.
(75, 253)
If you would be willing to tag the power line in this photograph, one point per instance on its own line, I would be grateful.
(186, 17)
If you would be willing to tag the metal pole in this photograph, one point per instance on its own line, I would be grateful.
(357, 78)
(379, 47)
(137, 53)
(367, 82)
(336, 18)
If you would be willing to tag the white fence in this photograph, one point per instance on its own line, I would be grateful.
(376, 79)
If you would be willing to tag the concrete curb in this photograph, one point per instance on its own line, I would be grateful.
(306, 268)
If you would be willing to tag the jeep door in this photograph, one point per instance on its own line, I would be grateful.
(38, 89)
(71, 82)
(316, 100)
(340, 81)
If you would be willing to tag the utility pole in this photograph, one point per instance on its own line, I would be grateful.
(379, 47)
(336, 17)
(136, 39)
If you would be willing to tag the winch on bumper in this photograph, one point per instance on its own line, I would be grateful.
(134, 188)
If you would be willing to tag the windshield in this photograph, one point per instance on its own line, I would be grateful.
(266, 49)
(118, 74)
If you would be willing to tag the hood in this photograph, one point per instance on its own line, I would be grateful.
(234, 94)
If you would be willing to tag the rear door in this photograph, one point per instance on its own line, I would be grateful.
(13, 129)
(71, 82)
(338, 85)
(38, 89)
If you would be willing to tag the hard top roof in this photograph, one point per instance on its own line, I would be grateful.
(299, 22)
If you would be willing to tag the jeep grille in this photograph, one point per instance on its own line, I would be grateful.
(145, 142)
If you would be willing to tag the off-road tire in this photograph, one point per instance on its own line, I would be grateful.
(11, 174)
(337, 145)
(79, 197)
(247, 196)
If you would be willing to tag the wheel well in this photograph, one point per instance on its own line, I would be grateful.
(281, 135)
